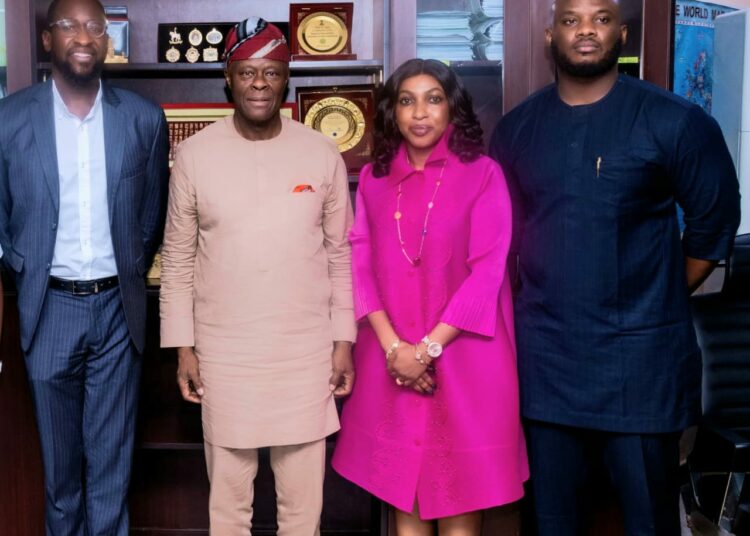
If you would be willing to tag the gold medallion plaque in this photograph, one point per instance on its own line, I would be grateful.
(192, 54)
(195, 37)
(172, 55)
(339, 119)
(345, 115)
(322, 33)
(194, 42)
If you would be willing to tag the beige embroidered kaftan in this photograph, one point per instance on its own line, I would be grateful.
(256, 275)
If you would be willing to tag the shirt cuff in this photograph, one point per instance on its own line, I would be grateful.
(365, 303)
(710, 248)
(476, 315)
(343, 326)
(177, 332)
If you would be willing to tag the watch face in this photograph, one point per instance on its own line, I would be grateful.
(434, 349)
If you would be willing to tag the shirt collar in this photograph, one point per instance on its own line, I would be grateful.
(61, 109)
(401, 168)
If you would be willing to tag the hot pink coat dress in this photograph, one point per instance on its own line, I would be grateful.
(461, 449)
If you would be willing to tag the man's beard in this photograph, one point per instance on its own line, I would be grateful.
(75, 78)
(587, 69)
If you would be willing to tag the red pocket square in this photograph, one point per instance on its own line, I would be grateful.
(303, 188)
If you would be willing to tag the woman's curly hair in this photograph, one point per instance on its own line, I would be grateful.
(466, 139)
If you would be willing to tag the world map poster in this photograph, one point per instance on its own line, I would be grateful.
(693, 50)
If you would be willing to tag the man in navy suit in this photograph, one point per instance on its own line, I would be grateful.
(83, 182)
(609, 365)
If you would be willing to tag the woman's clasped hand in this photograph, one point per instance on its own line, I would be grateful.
(410, 366)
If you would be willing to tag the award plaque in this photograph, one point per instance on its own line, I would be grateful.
(321, 31)
(344, 114)
(196, 42)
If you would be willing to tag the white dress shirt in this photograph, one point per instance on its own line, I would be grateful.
(83, 248)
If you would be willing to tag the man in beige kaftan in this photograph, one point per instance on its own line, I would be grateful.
(256, 289)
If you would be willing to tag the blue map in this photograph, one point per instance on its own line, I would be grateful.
(694, 49)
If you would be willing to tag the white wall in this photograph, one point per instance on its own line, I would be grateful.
(739, 4)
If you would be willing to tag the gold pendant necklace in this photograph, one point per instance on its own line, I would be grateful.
(416, 261)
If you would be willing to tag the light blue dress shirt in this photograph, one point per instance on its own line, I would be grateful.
(83, 247)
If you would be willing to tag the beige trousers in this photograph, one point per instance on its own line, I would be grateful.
(298, 472)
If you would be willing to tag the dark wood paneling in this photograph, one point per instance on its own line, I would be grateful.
(658, 29)
(517, 73)
(18, 35)
(527, 66)
(22, 489)
(169, 490)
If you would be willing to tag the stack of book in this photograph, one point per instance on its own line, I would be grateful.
(462, 35)
(489, 28)
(445, 35)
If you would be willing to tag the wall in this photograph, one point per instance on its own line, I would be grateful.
(739, 4)
(3, 58)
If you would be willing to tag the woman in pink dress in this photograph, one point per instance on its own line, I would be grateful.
(433, 424)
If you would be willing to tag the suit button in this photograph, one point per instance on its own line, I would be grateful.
(49, 266)
(54, 225)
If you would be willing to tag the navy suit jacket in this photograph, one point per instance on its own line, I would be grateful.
(136, 149)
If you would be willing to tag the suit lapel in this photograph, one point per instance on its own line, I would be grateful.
(114, 142)
(43, 124)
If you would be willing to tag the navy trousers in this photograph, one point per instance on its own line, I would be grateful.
(84, 374)
(643, 469)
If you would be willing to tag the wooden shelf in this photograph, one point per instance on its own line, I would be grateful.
(170, 427)
(362, 67)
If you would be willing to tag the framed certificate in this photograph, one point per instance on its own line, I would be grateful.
(345, 114)
(321, 31)
(184, 120)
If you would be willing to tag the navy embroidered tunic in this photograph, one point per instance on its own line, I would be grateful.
(605, 337)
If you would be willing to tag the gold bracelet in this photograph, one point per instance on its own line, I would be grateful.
(393, 347)
(418, 357)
